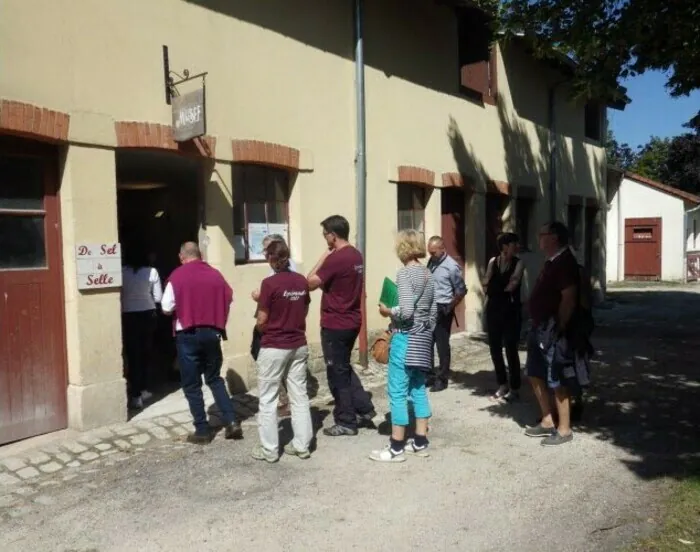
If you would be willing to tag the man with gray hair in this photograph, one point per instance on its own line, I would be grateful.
(199, 300)
(450, 289)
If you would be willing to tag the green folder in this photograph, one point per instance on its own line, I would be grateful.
(390, 294)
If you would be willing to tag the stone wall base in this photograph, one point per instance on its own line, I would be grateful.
(100, 404)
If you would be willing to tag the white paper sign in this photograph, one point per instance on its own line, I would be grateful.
(99, 265)
(256, 235)
(282, 229)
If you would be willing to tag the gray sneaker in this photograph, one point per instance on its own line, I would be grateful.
(540, 431)
(260, 453)
(303, 454)
(556, 439)
(512, 396)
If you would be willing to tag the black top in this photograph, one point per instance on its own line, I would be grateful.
(496, 290)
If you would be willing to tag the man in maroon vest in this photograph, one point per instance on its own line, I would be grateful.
(199, 299)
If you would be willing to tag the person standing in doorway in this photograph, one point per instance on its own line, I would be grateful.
(503, 313)
(450, 289)
(281, 318)
(283, 404)
(339, 273)
(140, 293)
(199, 298)
(552, 305)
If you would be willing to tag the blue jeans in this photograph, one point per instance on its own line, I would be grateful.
(199, 354)
(403, 382)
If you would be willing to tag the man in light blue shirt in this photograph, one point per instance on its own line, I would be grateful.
(450, 289)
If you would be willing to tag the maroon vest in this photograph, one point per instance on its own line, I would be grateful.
(202, 296)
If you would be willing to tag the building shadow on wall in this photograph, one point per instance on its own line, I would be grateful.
(645, 380)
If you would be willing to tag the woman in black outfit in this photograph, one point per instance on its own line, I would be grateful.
(503, 315)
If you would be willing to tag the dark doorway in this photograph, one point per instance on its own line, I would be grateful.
(158, 209)
(496, 205)
(453, 207)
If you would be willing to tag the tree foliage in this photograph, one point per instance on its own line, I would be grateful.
(612, 39)
(683, 160)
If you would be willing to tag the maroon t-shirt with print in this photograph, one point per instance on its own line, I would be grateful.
(285, 298)
(341, 274)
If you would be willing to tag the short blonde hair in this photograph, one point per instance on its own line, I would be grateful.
(410, 244)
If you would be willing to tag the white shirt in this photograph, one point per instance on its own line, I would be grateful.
(141, 290)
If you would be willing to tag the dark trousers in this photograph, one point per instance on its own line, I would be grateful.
(199, 354)
(503, 328)
(137, 334)
(350, 397)
(441, 335)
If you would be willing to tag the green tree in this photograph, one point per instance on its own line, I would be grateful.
(612, 39)
(650, 160)
(682, 168)
(619, 155)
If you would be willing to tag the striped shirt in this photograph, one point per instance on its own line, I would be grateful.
(416, 313)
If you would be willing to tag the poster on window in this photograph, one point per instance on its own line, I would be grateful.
(256, 234)
(282, 229)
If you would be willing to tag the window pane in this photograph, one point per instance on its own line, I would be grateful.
(405, 197)
(279, 185)
(405, 220)
(21, 183)
(419, 220)
(418, 198)
(256, 213)
(238, 218)
(276, 213)
(239, 247)
(22, 243)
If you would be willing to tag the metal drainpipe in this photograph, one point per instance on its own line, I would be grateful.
(361, 164)
(552, 153)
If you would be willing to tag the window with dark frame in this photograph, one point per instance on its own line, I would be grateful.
(260, 197)
(477, 56)
(411, 203)
(593, 115)
(22, 213)
(524, 207)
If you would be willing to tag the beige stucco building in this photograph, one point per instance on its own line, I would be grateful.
(83, 119)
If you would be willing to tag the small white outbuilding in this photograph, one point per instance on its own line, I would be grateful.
(652, 230)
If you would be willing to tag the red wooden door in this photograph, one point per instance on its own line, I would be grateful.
(32, 329)
(643, 248)
(453, 204)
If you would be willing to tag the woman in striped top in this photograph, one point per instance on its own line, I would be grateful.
(411, 354)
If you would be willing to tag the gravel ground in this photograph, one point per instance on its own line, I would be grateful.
(485, 487)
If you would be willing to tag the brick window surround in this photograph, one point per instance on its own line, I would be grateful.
(33, 121)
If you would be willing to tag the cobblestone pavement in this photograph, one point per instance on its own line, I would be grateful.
(24, 477)
(640, 428)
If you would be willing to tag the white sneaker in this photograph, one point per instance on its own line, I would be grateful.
(387, 455)
(412, 448)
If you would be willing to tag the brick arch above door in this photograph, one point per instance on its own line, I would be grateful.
(136, 134)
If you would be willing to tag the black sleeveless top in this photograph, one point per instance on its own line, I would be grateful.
(498, 298)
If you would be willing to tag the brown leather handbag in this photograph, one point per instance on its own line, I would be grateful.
(380, 347)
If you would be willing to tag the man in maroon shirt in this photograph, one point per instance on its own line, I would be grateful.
(340, 273)
(199, 299)
(553, 300)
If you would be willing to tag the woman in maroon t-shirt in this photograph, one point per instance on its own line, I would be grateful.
(281, 318)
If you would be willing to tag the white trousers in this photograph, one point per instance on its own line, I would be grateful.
(273, 365)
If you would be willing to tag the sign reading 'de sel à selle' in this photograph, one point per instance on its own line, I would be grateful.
(99, 265)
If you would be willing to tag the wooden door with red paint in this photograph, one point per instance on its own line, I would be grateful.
(453, 209)
(643, 248)
(32, 326)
